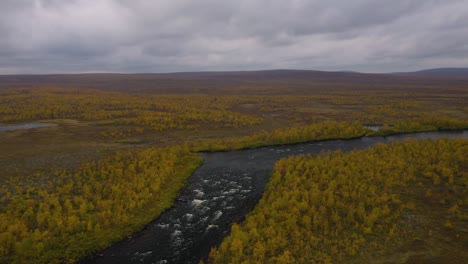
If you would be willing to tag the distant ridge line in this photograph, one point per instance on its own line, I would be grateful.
(436, 71)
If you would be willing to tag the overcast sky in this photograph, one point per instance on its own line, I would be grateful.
(70, 36)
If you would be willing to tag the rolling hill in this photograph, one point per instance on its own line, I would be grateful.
(230, 81)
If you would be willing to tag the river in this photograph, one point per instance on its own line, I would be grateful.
(21, 126)
(222, 191)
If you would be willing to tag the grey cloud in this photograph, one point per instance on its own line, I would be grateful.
(163, 35)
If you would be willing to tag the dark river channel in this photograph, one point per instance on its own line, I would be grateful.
(222, 191)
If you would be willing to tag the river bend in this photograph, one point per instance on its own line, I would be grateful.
(222, 191)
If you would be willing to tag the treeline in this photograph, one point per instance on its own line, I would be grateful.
(128, 114)
(332, 208)
(406, 115)
(426, 122)
(62, 216)
(311, 132)
(139, 111)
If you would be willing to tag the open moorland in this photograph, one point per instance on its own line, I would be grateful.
(117, 148)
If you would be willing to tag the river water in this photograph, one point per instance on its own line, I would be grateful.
(22, 126)
(222, 191)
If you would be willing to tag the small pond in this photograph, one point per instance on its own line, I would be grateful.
(4, 127)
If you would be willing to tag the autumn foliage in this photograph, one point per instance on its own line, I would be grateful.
(137, 112)
(61, 216)
(327, 209)
(305, 133)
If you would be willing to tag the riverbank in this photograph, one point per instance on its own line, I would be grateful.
(222, 191)
(63, 216)
(401, 203)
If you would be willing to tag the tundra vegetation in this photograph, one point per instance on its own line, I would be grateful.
(403, 202)
(113, 159)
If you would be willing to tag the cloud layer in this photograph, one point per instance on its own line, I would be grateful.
(47, 36)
